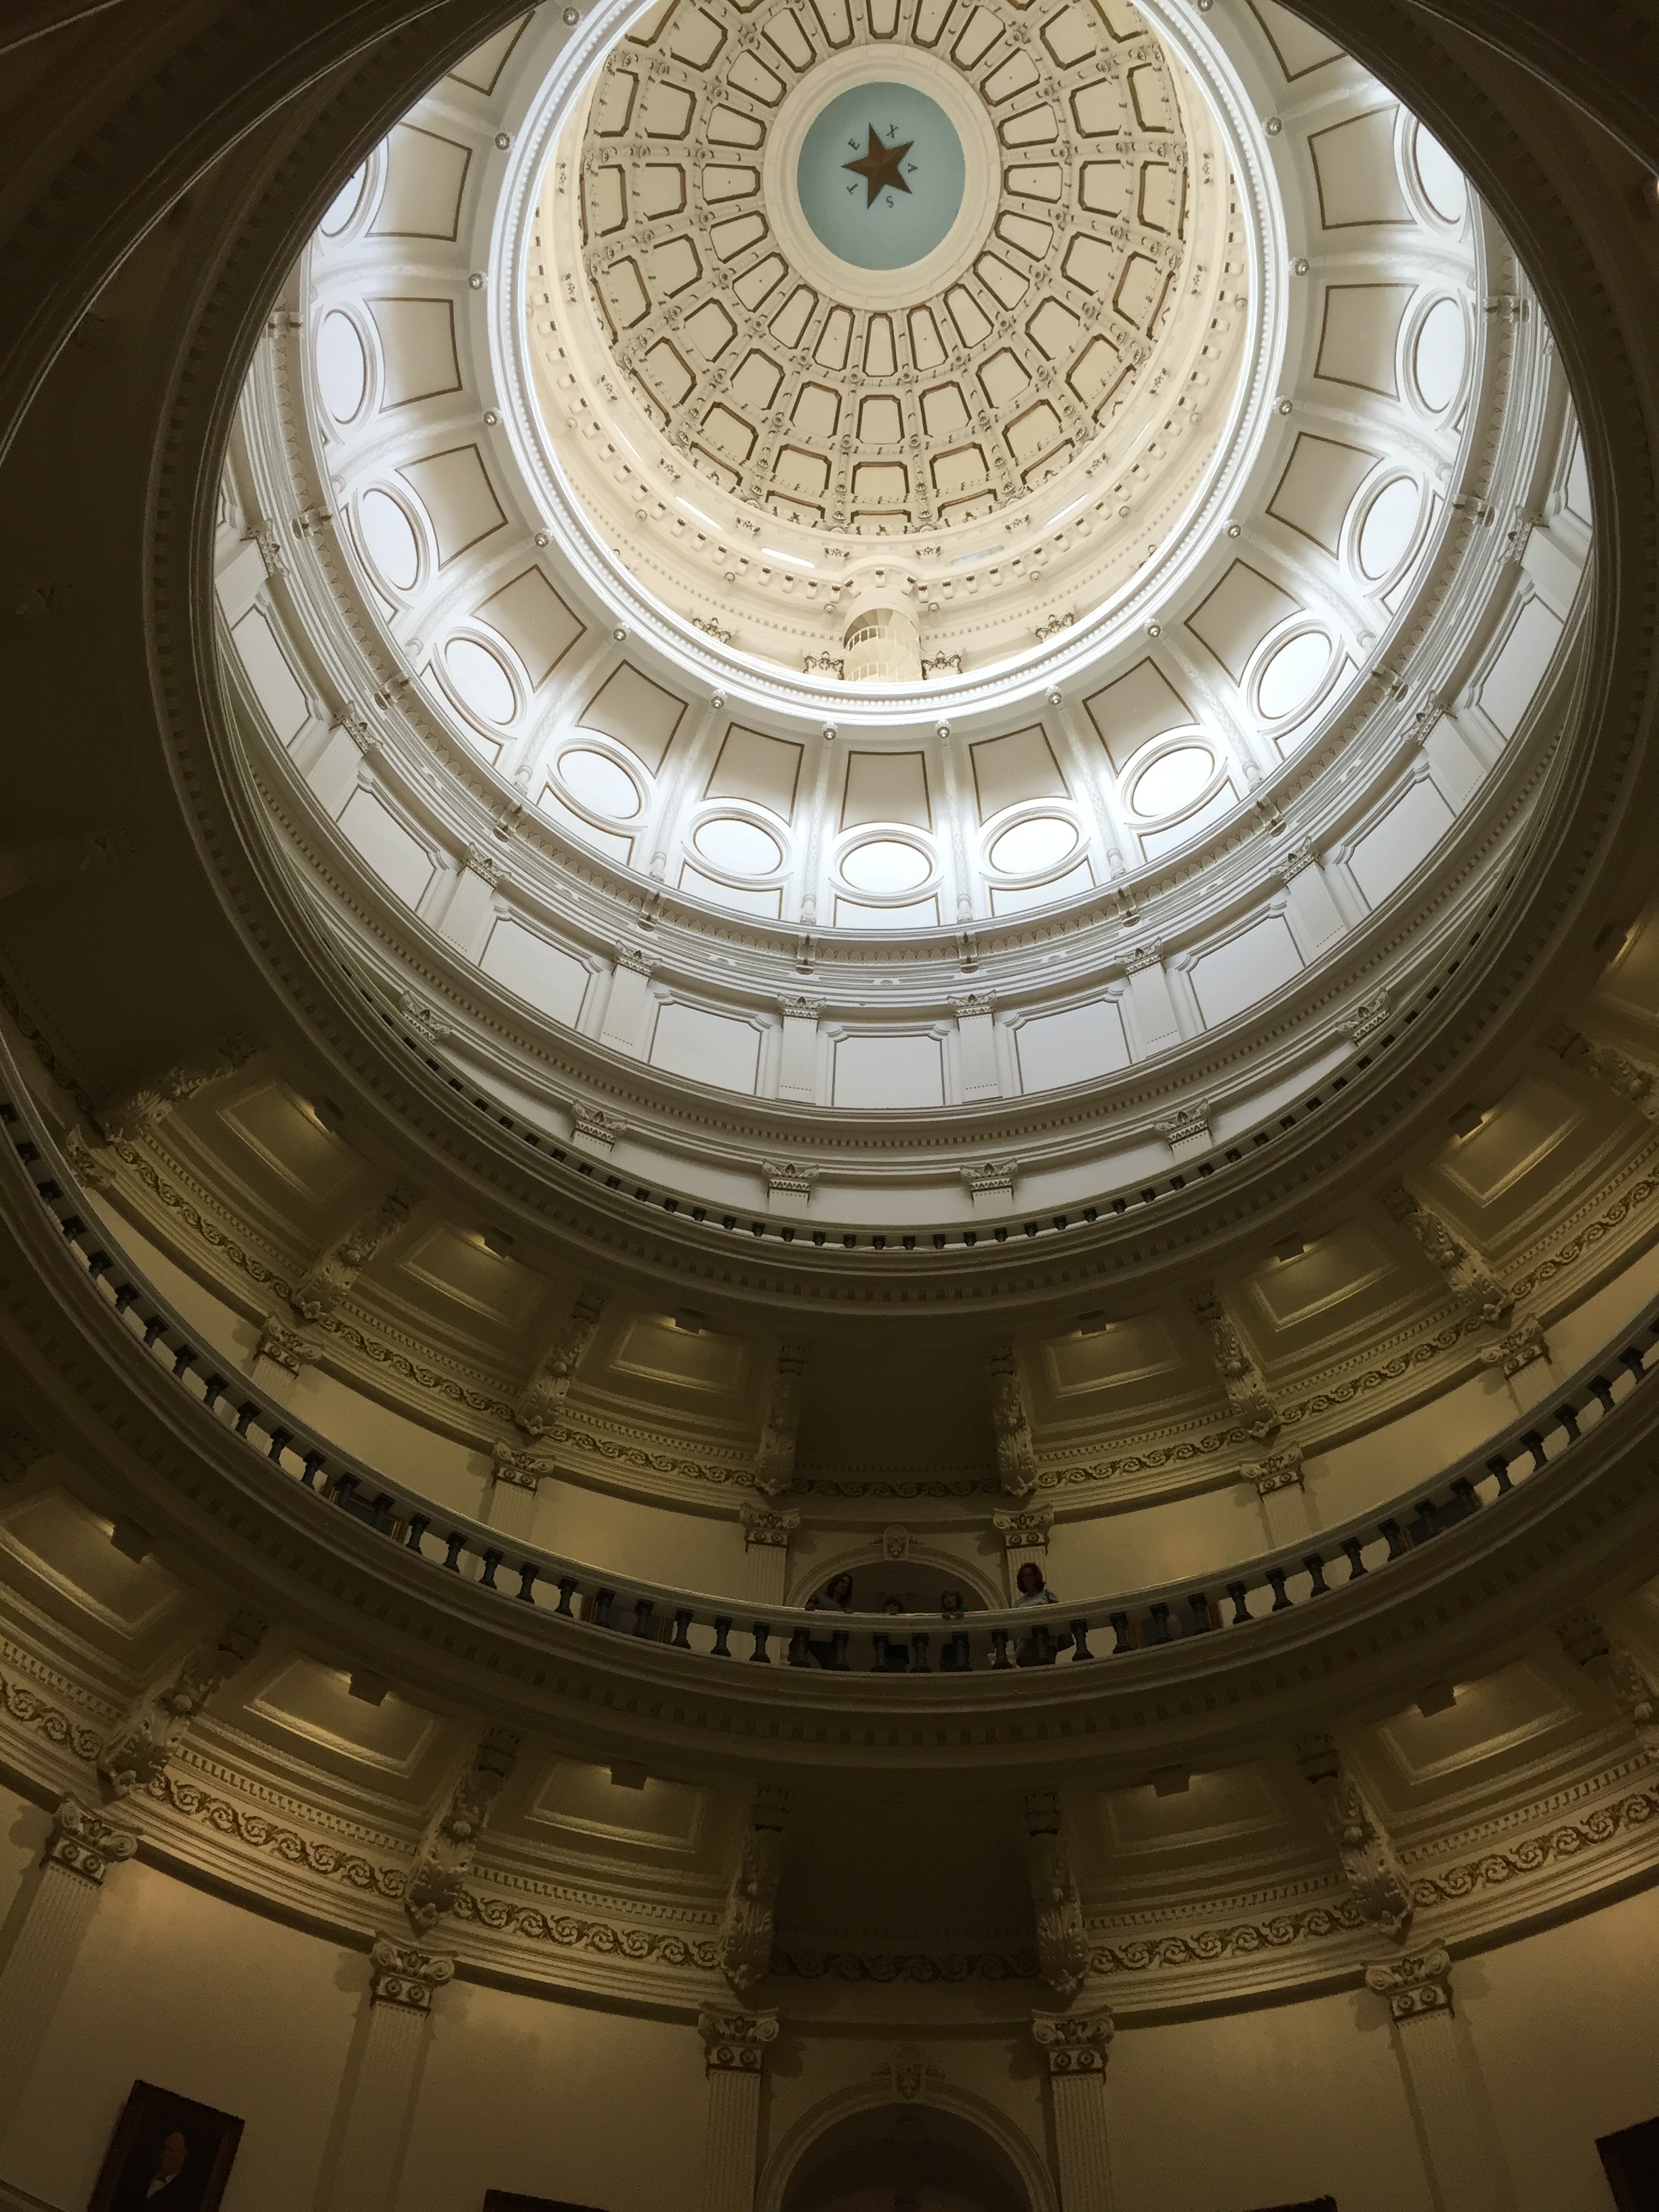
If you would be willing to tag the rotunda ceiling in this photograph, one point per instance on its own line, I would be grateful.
(1047, 294)
(1230, 725)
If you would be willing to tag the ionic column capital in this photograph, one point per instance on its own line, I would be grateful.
(405, 1976)
(736, 2042)
(1074, 2042)
(1417, 1985)
(85, 1842)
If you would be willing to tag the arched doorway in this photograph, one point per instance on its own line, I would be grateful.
(905, 2158)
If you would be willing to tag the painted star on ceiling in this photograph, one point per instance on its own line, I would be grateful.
(879, 168)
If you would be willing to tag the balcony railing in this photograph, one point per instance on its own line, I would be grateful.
(1073, 1632)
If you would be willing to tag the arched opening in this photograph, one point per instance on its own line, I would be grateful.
(905, 2158)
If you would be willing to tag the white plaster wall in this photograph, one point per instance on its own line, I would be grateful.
(555, 2100)
(198, 1995)
(1566, 2026)
(1265, 2107)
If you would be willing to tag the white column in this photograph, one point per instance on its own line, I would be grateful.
(629, 1008)
(401, 1983)
(1074, 2044)
(82, 1848)
(735, 2045)
(1465, 2159)
(1024, 1537)
(976, 1047)
(797, 1066)
(510, 1504)
(1150, 1003)
(766, 1535)
(1278, 1479)
(471, 915)
(1313, 914)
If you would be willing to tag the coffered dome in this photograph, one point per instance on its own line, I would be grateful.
(600, 738)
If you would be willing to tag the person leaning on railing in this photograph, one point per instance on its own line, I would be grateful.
(835, 1596)
(1040, 1648)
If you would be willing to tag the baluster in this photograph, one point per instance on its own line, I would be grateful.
(567, 1591)
(1568, 1417)
(1125, 1641)
(344, 1490)
(314, 1463)
(1314, 1562)
(492, 1559)
(1601, 1390)
(1427, 1523)
(98, 1265)
(126, 1296)
(528, 1573)
(456, 1541)
(1239, 1595)
(799, 1654)
(1534, 1442)
(961, 1655)
(603, 1602)
(249, 1413)
(280, 1441)
(722, 1629)
(682, 1623)
(1042, 1646)
(1281, 1601)
(1159, 1617)
(1499, 1467)
(1197, 1604)
(1631, 1357)
(883, 1665)
(1466, 1495)
(761, 1630)
(154, 1327)
(918, 1664)
(183, 1359)
(213, 1389)
(644, 1612)
(419, 1523)
(1000, 1647)
(1080, 1640)
(1398, 1546)
(1356, 1551)
(839, 1640)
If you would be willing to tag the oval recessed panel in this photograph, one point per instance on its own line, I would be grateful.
(343, 205)
(1293, 675)
(1440, 354)
(1443, 181)
(389, 540)
(480, 679)
(1030, 846)
(342, 366)
(741, 848)
(1389, 527)
(1173, 780)
(599, 783)
(886, 866)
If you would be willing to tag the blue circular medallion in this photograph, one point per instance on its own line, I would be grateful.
(881, 175)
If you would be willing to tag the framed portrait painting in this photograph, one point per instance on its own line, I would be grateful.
(169, 2153)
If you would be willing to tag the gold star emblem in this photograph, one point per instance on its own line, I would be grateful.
(879, 168)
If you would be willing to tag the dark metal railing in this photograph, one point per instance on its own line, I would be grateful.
(613, 1604)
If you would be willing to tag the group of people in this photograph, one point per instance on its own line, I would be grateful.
(892, 1655)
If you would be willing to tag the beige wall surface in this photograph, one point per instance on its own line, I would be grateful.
(578, 2102)
(555, 2100)
(1566, 2026)
(179, 1988)
(1265, 2107)
(23, 1831)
